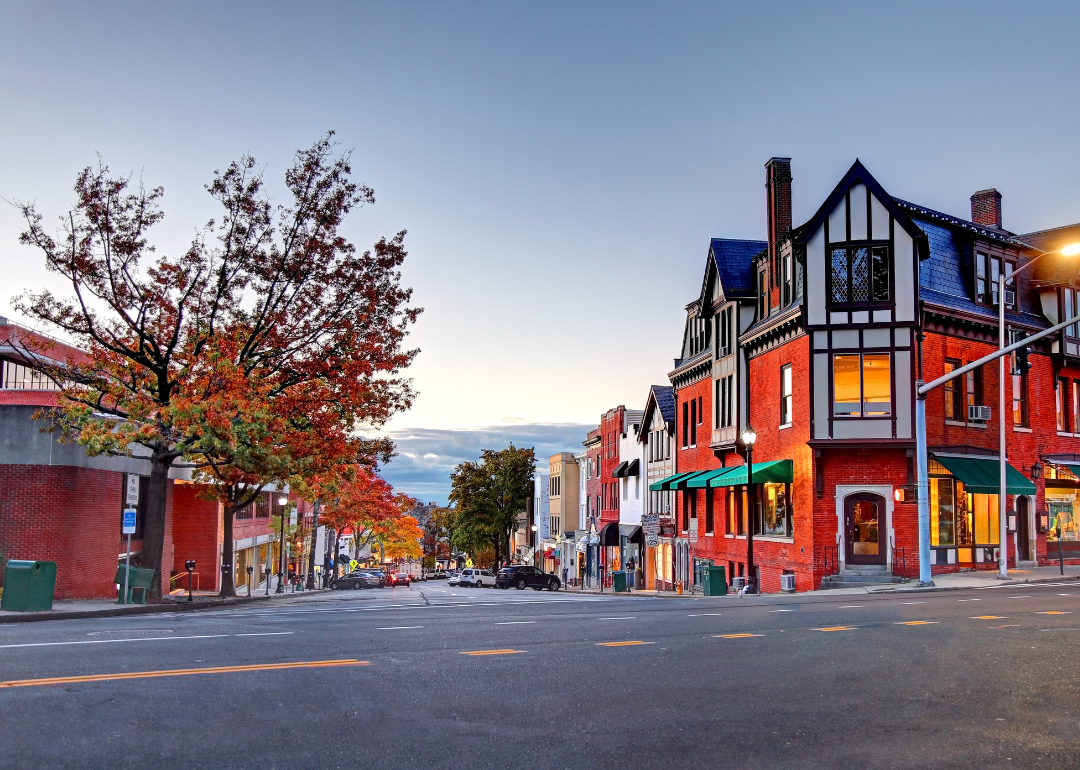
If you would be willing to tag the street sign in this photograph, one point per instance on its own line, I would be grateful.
(692, 531)
(652, 539)
(650, 522)
(129, 521)
(131, 493)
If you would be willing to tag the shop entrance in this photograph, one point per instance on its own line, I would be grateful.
(864, 525)
(1023, 542)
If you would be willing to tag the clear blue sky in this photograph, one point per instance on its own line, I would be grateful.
(560, 167)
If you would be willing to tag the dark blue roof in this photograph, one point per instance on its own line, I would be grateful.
(665, 401)
(946, 276)
(734, 264)
(915, 210)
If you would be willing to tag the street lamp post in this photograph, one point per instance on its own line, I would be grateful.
(282, 502)
(749, 436)
(923, 388)
(1003, 558)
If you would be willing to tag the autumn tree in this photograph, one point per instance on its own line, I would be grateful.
(274, 298)
(488, 496)
(376, 513)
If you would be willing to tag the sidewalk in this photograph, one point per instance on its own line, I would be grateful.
(69, 609)
(950, 582)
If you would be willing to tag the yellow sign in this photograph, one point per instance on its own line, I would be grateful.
(468, 562)
(353, 564)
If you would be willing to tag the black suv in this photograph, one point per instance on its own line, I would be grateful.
(522, 576)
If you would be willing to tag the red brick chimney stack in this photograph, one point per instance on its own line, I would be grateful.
(778, 200)
(986, 208)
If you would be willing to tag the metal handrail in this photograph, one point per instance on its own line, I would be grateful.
(828, 550)
(179, 575)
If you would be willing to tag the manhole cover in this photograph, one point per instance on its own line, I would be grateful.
(131, 632)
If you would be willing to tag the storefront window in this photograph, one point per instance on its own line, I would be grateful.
(777, 511)
(950, 512)
(1063, 511)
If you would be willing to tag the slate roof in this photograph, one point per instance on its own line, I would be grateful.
(946, 276)
(735, 264)
(921, 212)
(665, 402)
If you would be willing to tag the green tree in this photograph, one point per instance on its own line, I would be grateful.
(488, 496)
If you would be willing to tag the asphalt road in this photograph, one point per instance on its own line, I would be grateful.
(980, 679)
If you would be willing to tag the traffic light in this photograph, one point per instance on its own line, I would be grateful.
(1023, 366)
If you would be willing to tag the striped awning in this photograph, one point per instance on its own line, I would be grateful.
(665, 485)
(772, 472)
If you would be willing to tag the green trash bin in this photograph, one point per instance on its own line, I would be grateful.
(29, 586)
(715, 581)
(618, 581)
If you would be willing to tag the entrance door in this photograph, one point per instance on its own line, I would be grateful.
(1023, 543)
(864, 524)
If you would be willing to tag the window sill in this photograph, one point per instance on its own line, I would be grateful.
(956, 423)
(1065, 435)
(1018, 429)
(708, 534)
(785, 426)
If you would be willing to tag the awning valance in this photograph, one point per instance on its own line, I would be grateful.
(620, 470)
(982, 476)
(772, 472)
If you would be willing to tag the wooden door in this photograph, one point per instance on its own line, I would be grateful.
(865, 540)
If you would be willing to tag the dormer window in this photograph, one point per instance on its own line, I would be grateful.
(988, 269)
(859, 275)
(762, 294)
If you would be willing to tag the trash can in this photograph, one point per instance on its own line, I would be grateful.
(618, 581)
(29, 586)
(715, 581)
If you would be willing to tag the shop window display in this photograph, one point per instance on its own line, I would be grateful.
(777, 511)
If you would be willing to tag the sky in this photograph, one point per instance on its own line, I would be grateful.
(560, 167)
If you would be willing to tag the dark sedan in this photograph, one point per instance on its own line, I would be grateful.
(352, 580)
(400, 579)
(522, 576)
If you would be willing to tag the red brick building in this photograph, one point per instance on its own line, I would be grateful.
(816, 338)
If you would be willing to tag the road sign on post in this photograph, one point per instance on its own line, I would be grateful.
(692, 530)
(129, 529)
(129, 520)
(131, 492)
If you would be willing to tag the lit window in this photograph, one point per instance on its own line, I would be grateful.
(862, 385)
(953, 404)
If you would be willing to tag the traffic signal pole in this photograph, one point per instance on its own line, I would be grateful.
(921, 391)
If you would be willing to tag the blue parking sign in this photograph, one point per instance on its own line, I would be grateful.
(129, 521)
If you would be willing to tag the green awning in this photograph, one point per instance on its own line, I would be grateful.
(1073, 468)
(701, 480)
(774, 471)
(982, 477)
(664, 485)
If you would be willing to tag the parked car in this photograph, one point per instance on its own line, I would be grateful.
(454, 578)
(522, 576)
(352, 580)
(476, 578)
(400, 579)
(376, 576)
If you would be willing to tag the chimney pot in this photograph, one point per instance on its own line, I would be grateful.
(986, 208)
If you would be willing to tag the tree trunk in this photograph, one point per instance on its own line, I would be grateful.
(228, 580)
(154, 525)
(337, 545)
(314, 539)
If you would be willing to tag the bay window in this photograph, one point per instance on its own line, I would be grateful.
(862, 385)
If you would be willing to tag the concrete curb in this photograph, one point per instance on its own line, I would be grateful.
(141, 609)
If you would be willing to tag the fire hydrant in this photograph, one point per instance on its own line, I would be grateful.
(678, 587)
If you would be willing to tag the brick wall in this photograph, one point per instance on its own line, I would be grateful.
(197, 533)
(67, 515)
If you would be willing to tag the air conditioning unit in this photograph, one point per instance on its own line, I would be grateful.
(738, 583)
(1010, 298)
(978, 414)
(787, 584)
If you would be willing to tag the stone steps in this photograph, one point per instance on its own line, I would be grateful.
(860, 576)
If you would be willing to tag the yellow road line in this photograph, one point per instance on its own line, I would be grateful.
(1055, 612)
(492, 652)
(735, 636)
(837, 628)
(618, 644)
(181, 672)
(917, 623)
(989, 617)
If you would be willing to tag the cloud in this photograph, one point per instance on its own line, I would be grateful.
(427, 456)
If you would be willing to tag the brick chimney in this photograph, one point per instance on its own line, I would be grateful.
(986, 208)
(778, 200)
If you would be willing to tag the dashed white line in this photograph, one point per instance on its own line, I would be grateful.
(514, 622)
(705, 615)
(396, 628)
(114, 641)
